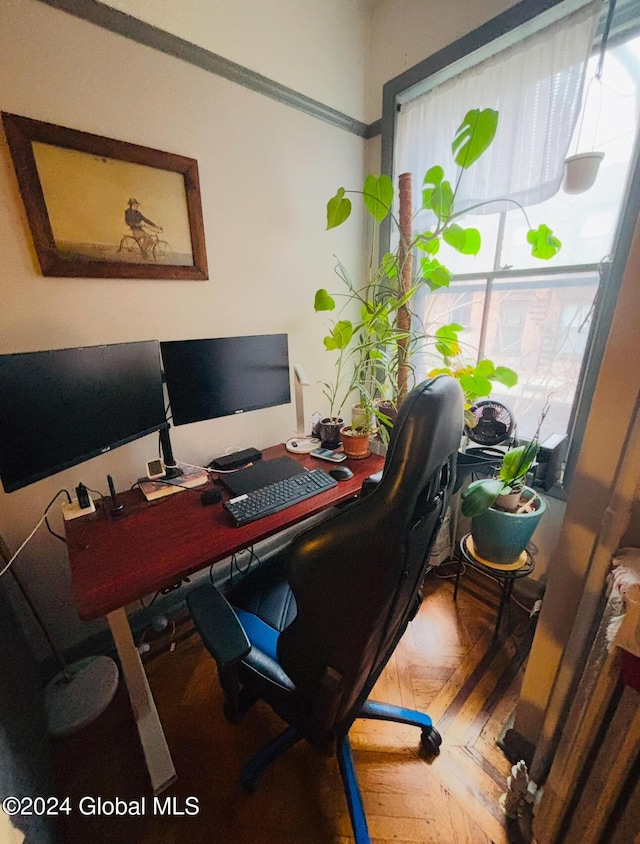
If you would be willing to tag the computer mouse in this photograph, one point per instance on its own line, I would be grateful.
(341, 473)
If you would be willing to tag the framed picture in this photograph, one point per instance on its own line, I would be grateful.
(101, 208)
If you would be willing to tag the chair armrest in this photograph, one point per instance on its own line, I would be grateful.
(370, 483)
(218, 625)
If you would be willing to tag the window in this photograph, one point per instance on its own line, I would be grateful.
(533, 316)
(511, 320)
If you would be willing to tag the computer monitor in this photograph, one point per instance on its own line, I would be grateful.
(207, 379)
(59, 408)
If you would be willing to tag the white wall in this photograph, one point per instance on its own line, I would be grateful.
(316, 47)
(404, 32)
(339, 52)
(266, 172)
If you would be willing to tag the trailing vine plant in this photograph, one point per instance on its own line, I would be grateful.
(374, 352)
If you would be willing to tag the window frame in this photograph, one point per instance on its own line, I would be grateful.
(609, 288)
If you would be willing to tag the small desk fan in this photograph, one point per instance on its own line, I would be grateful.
(494, 423)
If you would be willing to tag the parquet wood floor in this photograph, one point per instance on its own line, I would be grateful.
(446, 665)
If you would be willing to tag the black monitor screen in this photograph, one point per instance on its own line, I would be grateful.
(227, 375)
(61, 407)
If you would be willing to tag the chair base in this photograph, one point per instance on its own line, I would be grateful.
(372, 710)
(253, 770)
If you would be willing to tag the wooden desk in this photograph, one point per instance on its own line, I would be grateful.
(154, 544)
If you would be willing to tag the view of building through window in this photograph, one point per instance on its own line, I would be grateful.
(534, 316)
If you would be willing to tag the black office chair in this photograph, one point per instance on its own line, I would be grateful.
(311, 631)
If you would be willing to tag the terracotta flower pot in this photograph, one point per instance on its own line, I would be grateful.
(354, 443)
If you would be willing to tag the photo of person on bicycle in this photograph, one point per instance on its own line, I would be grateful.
(135, 219)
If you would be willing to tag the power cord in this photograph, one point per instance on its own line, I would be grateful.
(253, 557)
(42, 519)
(463, 569)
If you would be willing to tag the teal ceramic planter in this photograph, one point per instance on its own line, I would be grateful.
(501, 537)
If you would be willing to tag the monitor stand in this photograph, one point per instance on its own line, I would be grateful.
(167, 456)
(301, 443)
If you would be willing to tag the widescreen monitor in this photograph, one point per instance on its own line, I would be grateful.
(207, 379)
(59, 408)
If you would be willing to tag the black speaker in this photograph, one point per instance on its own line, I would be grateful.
(550, 461)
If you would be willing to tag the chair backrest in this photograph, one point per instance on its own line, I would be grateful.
(356, 577)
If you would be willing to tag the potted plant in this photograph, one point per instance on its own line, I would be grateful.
(355, 437)
(387, 332)
(504, 512)
(351, 364)
(340, 388)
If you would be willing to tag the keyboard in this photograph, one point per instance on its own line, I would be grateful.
(278, 496)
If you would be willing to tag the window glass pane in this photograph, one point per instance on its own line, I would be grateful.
(462, 302)
(486, 224)
(586, 222)
(536, 326)
(539, 328)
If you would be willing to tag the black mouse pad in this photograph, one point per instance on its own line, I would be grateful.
(261, 474)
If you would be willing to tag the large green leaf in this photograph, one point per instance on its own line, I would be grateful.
(480, 495)
(340, 336)
(506, 376)
(338, 209)
(434, 273)
(433, 176)
(475, 384)
(442, 200)
(438, 198)
(378, 196)
(543, 242)
(323, 301)
(474, 136)
(447, 343)
(518, 461)
(390, 265)
(466, 241)
(428, 242)
(486, 367)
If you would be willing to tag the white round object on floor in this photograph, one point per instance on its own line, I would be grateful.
(77, 698)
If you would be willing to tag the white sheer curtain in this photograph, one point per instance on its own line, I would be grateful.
(536, 86)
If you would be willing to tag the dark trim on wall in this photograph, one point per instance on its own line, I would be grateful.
(374, 129)
(150, 36)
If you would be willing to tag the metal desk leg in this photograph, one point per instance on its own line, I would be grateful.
(152, 738)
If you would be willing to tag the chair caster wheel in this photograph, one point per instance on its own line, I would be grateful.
(250, 781)
(431, 741)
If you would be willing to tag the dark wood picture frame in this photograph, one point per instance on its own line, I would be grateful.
(128, 258)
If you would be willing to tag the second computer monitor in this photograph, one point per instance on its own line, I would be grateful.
(223, 376)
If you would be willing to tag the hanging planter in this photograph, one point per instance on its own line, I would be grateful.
(580, 171)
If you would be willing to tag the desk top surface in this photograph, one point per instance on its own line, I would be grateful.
(154, 544)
